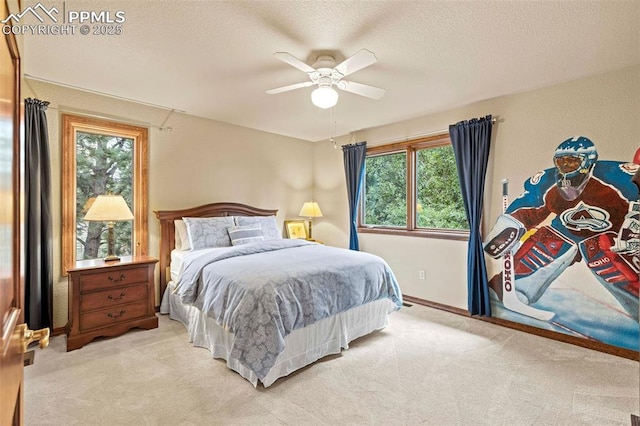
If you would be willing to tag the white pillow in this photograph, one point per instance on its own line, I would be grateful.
(206, 232)
(245, 234)
(182, 237)
(268, 224)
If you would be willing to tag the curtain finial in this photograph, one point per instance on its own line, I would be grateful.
(37, 102)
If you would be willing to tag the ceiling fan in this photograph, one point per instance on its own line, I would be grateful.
(325, 74)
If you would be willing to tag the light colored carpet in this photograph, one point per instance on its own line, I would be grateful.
(426, 367)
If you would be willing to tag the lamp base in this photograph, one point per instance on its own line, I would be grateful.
(110, 242)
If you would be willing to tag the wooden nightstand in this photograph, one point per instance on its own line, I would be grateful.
(110, 298)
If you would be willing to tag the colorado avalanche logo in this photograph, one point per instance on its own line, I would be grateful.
(585, 217)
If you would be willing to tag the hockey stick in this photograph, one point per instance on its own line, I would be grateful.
(509, 298)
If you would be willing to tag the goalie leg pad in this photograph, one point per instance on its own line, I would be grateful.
(617, 273)
(540, 260)
(609, 266)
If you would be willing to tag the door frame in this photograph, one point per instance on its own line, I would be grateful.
(12, 274)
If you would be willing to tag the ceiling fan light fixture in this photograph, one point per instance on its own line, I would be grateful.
(324, 97)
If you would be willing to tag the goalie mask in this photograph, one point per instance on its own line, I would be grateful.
(574, 160)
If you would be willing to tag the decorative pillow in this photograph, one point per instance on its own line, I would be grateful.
(245, 234)
(206, 232)
(268, 224)
(182, 237)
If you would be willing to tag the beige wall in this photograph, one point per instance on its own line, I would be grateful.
(531, 125)
(203, 161)
(200, 161)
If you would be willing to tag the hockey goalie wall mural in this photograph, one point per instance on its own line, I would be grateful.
(566, 250)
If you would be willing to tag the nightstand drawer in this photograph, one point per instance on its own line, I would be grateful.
(114, 296)
(113, 315)
(105, 280)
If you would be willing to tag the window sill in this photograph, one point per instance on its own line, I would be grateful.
(443, 234)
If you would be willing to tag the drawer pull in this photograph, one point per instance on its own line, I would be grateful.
(110, 297)
(110, 315)
(116, 280)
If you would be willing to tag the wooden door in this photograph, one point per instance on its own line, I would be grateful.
(11, 275)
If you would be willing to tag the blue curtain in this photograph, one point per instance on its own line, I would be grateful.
(38, 221)
(354, 156)
(471, 142)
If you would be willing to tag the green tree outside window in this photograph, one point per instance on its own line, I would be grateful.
(433, 195)
(439, 199)
(104, 164)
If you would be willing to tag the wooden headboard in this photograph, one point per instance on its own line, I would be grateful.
(167, 227)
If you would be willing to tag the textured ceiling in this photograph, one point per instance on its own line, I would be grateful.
(215, 59)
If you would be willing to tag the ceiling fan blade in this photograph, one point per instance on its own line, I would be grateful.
(361, 89)
(361, 59)
(289, 87)
(292, 60)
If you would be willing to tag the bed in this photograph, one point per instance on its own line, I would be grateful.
(267, 305)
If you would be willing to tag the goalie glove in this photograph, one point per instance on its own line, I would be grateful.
(628, 240)
(504, 236)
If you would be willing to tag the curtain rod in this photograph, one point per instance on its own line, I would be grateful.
(95, 92)
(85, 113)
(124, 120)
(494, 120)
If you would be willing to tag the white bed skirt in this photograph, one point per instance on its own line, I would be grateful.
(302, 347)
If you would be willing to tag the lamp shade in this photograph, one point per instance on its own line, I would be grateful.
(310, 209)
(324, 97)
(109, 208)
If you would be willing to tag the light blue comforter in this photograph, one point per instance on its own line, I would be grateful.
(263, 291)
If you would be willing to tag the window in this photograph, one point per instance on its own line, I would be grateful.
(412, 188)
(101, 157)
(386, 190)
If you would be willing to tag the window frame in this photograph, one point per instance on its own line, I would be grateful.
(410, 148)
(71, 124)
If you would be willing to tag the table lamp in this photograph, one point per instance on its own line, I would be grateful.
(310, 209)
(110, 209)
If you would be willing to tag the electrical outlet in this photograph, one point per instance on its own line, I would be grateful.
(421, 275)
